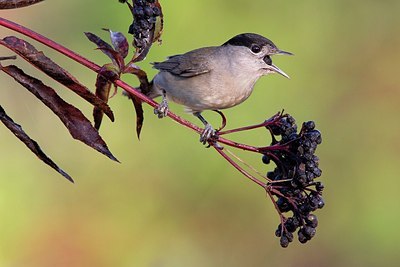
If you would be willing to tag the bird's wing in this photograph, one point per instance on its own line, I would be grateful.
(187, 65)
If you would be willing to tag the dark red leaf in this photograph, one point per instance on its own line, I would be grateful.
(39, 60)
(137, 103)
(104, 79)
(30, 143)
(141, 75)
(77, 124)
(99, 42)
(119, 42)
(103, 87)
(107, 49)
(9, 4)
(144, 88)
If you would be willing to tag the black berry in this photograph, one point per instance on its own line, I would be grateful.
(145, 13)
(293, 180)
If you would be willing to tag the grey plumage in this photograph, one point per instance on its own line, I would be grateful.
(187, 65)
(213, 78)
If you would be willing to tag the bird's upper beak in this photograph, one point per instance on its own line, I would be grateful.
(281, 52)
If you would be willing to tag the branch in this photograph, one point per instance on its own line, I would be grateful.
(91, 65)
(134, 91)
(291, 182)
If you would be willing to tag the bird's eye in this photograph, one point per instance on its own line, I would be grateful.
(255, 49)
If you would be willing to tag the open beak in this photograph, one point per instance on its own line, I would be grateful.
(271, 67)
(278, 70)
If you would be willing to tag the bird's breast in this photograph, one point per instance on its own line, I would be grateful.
(231, 92)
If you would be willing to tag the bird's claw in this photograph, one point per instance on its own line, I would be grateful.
(208, 134)
(162, 110)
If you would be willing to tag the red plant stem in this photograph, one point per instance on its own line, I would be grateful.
(240, 169)
(251, 127)
(243, 128)
(93, 66)
(65, 51)
(89, 64)
(281, 216)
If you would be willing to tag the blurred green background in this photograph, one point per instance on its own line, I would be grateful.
(174, 203)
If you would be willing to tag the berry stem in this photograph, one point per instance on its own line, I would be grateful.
(240, 169)
(281, 216)
(251, 127)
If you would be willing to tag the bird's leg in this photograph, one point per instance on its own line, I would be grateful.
(162, 110)
(223, 120)
(208, 132)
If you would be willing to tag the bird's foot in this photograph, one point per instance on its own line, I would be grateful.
(208, 134)
(162, 110)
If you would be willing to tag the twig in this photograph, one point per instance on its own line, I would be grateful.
(240, 169)
(134, 91)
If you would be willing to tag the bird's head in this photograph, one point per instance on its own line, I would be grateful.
(256, 52)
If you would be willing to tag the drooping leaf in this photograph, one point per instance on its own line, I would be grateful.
(144, 88)
(45, 64)
(141, 75)
(107, 49)
(104, 81)
(30, 143)
(101, 44)
(137, 103)
(77, 124)
(119, 42)
(103, 87)
(10, 4)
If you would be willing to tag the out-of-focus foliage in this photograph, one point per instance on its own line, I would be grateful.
(183, 205)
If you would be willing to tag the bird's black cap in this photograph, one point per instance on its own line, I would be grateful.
(249, 39)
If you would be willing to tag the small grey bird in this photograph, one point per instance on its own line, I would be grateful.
(214, 78)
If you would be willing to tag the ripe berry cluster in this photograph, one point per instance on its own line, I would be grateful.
(145, 13)
(292, 182)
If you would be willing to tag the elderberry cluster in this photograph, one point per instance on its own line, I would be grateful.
(145, 13)
(293, 180)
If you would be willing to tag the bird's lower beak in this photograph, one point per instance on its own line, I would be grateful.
(274, 68)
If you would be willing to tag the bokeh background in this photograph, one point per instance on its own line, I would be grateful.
(174, 203)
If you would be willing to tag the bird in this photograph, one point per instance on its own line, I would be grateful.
(214, 78)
